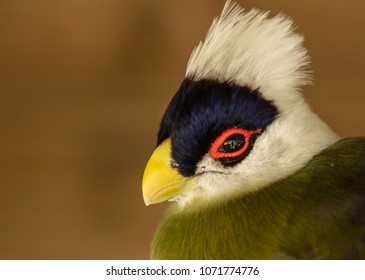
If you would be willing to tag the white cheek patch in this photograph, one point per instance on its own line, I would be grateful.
(208, 164)
(215, 178)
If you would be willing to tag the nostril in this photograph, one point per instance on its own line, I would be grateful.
(174, 164)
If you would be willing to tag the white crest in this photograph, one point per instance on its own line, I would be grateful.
(251, 49)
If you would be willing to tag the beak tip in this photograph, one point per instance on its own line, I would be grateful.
(146, 200)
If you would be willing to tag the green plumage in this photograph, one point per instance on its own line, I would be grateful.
(316, 213)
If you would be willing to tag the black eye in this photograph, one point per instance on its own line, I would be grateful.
(233, 143)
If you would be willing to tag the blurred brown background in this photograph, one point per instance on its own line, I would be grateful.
(83, 84)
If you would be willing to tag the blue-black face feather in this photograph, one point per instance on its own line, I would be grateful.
(201, 110)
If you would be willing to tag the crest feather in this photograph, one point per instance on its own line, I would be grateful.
(251, 49)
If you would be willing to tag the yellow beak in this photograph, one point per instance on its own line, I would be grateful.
(160, 181)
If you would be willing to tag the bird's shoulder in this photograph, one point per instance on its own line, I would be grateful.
(328, 220)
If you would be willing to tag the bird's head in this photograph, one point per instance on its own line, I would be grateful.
(238, 121)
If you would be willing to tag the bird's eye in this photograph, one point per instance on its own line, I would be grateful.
(232, 143)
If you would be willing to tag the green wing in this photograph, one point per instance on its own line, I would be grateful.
(328, 221)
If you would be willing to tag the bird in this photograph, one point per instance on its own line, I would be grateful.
(248, 169)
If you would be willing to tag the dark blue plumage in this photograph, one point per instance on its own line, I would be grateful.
(201, 110)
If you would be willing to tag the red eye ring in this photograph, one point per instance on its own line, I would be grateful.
(218, 142)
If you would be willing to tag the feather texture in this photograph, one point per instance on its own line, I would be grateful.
(252, 50)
